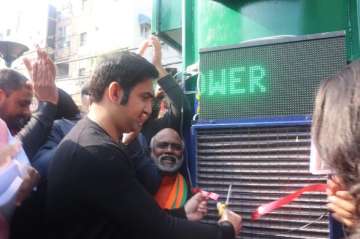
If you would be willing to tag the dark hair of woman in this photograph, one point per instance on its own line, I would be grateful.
(336, 127)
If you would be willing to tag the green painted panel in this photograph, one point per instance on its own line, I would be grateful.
(233, 21)
(236, 21)
(353, 29)
(210, 23)
(189, 33)
(170, 15)
(155, 16)
(167, 21)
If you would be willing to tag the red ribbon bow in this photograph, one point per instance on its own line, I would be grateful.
(269, 207)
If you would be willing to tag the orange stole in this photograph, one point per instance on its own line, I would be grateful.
(172, 192)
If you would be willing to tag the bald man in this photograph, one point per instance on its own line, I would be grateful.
(167, 152)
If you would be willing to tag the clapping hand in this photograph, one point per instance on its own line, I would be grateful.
(156, 60)
(43, 72)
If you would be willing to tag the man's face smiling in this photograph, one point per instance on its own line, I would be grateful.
(167, 151)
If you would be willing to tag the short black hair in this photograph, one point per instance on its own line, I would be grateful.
(11, 80)
(66, 107)
(85, 89)
(128, 69)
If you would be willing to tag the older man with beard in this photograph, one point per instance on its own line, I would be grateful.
(167, 153)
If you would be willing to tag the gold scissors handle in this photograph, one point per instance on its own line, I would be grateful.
(222, 206)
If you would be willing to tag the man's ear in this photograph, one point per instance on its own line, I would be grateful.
(115, 92)
(3, 96)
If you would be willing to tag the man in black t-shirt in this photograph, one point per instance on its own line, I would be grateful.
(93, 191)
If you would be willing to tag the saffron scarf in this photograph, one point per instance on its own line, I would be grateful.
(173, 192)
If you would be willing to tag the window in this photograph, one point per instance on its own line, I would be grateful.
(145, 30)
(145, 25)
(63, 39)
(61, 31)
(8, 32)
(63, 70)
(84, 4)
(83, 38)
(82, 71)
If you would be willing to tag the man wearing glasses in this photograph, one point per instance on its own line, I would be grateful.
(167, 153)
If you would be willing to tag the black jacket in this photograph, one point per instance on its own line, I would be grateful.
(93, 193)
(36, 131)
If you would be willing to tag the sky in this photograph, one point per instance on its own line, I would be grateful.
(24, 18)
(28, 18)
(10, 6)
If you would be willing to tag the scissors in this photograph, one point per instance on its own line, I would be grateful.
(222, 206)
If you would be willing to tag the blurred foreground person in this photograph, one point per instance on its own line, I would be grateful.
(336, 134)
(31, 129)
(17, 178)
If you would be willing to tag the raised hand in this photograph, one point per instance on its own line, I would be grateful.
(156, 59)
(43, 72)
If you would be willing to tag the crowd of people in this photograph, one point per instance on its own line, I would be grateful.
(115, 168)
(107, 171)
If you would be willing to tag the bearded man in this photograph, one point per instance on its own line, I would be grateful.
(167, 152)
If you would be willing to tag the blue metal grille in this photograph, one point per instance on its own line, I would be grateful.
(263, 164)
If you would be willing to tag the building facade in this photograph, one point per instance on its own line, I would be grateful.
(77, 33)
(88, 29)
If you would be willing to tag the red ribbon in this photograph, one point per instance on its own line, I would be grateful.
(269, 207)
